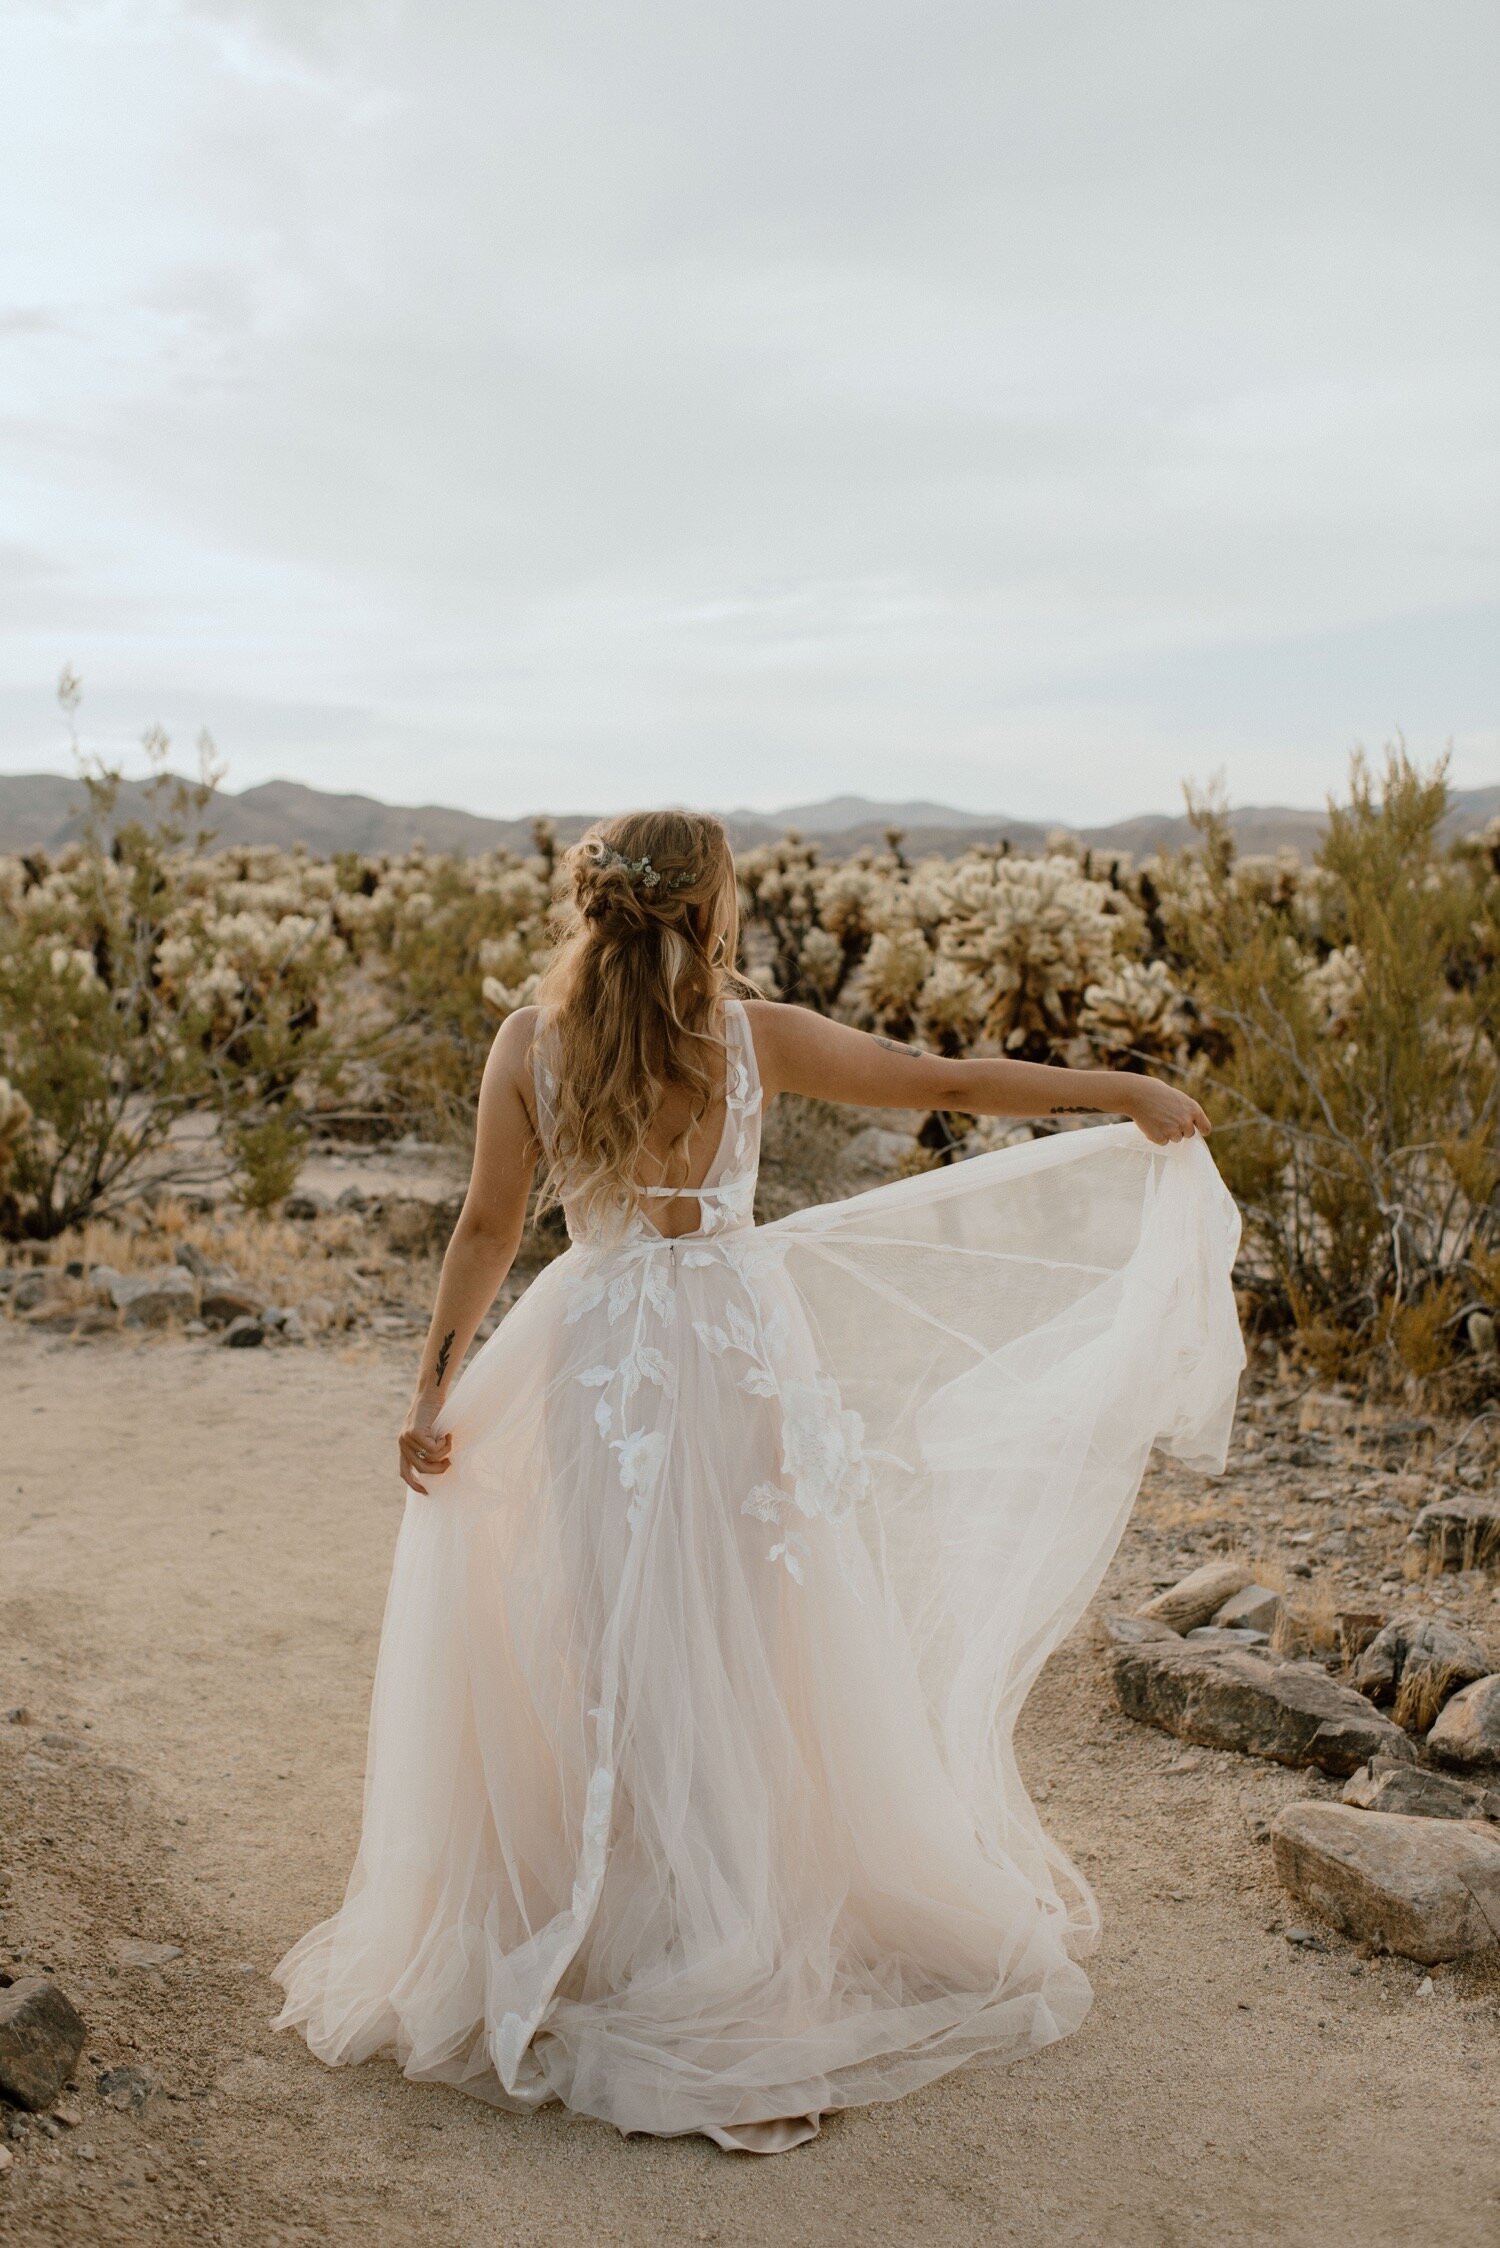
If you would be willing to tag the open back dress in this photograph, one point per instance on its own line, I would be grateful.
(691, 1799)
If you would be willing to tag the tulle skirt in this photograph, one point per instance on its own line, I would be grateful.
(691, 1800)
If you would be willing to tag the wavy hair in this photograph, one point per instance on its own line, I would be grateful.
(648, 936)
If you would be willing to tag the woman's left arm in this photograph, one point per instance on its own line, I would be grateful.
(483, 1244)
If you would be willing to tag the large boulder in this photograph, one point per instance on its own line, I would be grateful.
(1427, 1888)
(41, 2037)
(1239, 1698)
(1415, 1663)
(1462, 1532)
(1198, 1597)
(1467, 1734)
(1415, 1793)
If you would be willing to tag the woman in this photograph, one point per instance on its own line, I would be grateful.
(728, 1561)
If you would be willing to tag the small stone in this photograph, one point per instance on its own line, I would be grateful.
(133, 1951)
(41, 2037)
(87, 2154)
(1220, 1635)
(6, 2159)
(1416, 1664)
(292, 1329)
(1325, 1414)
(127, 2088)
(1304, 1939)
(34, 1289)
(306, 1203)
(221, 1306)
(68, 2115)
(1133, 1631)
(1198, 1596)
(353, 1199)
(1461, 1532)
(244, 1334)
(18, 1715)
(1427, 1988)
(1252, 1608)
(1466, 1736)
(1427, 1888)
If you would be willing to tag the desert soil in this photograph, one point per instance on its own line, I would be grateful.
(195, 1548)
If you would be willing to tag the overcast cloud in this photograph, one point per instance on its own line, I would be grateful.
(560, 402)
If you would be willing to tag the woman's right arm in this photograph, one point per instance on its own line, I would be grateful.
(802, 1052)
(483, 1244)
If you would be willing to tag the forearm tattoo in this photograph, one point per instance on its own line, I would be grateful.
(442, 1356)
(1074, 1108)
(899, 1046)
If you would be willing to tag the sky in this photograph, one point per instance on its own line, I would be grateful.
(519, 405)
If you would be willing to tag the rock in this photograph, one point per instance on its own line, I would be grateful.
(1415, 1664)
(1462, 1532)
(1199, 1596)
(150, 1299)
(1427, 1888)
(1134, 1631)
(192, 1259)
(1220, 1635)
(244, 1333)
(133, 1951)
(127, 2088)
(1356, 1627)
(355, 1200)
(1413, 1793)
(1233, 1697)
(221, 1305)
(41, 2037)
(1466, 1736)
(306, 1203)
(318, 1311)
(19, 1715)
(1252, 1608)
(273, 1318)
(1327, 1414)
(877, 1149)
(34, 1289)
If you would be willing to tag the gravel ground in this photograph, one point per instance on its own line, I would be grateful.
(195, 1546)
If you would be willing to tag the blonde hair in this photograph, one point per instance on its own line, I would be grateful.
(649, 931)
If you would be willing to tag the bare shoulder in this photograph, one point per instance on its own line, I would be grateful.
(509, 1063)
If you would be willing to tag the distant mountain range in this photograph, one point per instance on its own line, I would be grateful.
(40, 811)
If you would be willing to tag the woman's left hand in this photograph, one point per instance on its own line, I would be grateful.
(423, 1450)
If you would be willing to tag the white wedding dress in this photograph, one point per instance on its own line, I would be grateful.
(691, 1800)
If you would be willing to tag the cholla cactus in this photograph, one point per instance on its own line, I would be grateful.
(1136, 1012)
(1033, 934)
(15, 1122)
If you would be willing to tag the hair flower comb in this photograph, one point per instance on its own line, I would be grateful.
(641, 872)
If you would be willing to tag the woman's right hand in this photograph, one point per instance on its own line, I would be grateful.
(1162, 1112)
(423, 1450)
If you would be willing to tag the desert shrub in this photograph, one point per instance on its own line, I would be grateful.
(1346, 1045)
(144, 985)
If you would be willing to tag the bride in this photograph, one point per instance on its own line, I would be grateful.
(729, 1559)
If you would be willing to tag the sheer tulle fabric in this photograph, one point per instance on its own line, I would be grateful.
(691, 1799)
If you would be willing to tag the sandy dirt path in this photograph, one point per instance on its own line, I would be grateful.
(194, 1546)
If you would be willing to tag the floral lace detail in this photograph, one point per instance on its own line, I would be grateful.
(824, 1471)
